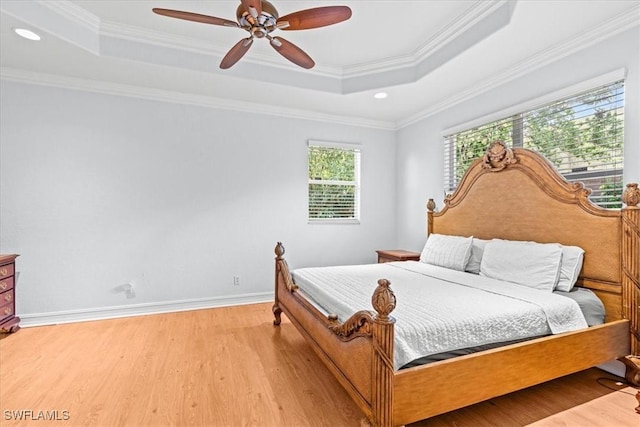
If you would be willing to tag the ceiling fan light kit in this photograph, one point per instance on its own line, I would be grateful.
(260, 18)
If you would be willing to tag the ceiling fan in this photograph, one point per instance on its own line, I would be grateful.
(259, 18)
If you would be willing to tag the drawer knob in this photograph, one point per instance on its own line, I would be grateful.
(3, 285)
(4, 271)
(7, 297)
(7, 311)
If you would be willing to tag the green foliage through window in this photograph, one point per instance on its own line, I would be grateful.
(582, 136)
(334, 175)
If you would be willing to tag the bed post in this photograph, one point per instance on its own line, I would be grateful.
(383, 301)
(281, 268)
(631, 263)
(431, 208)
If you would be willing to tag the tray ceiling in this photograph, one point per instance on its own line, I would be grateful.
(425, 54)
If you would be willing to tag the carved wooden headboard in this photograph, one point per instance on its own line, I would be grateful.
(516, 194)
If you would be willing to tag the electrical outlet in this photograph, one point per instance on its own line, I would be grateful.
(128, 290)
(236, 280)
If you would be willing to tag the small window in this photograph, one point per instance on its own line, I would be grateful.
(334, 182)
(582, 136)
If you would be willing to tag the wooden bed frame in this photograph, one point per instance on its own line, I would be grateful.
(509, 194)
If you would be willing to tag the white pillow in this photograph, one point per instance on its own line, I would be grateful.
(570, 266)
(536, 265)
(477, 248)
(447, 251)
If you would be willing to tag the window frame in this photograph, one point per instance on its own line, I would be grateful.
(356, 148)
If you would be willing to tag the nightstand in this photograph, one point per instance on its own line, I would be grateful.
(389, 255)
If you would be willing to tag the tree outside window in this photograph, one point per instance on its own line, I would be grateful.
(334, 182)
(581, 136)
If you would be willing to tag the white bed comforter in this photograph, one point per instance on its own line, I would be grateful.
(440, 310)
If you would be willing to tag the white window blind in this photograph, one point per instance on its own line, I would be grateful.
(582, 136)
(334, 182)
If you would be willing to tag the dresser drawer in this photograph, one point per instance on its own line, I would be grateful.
(7, 270)
(6, 284)
(7, 298)
(6, 310)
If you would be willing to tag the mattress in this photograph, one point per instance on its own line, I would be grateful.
(440, 310)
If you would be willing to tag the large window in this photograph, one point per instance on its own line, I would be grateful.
(581, 135)
(334, 182)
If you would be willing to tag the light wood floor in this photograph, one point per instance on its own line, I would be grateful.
(232, 367)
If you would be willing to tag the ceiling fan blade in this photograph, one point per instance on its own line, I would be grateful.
(235, 53)
(189, 16)
(256, 5)
(292, 52)
(314, 18)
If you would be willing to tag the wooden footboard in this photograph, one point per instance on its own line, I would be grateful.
(359, 351)
(440, 387)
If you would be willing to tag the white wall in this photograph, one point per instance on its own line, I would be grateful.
(100, 190)
(420, 146)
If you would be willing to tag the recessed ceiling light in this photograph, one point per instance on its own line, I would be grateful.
(380, 95)
(27, 34)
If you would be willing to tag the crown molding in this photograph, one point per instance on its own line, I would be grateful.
(61, 19)
(450, 32)
(72, 23)
(461, 24)
(323, 79)
(608, 29)
(74, 13)
(462, 33)
(121, 31)
(464, 22)
(117, 89)
(110, 29)
(137, 35)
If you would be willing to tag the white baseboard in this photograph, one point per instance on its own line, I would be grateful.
(102, 313)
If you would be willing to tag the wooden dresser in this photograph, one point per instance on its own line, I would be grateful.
(8, 320)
